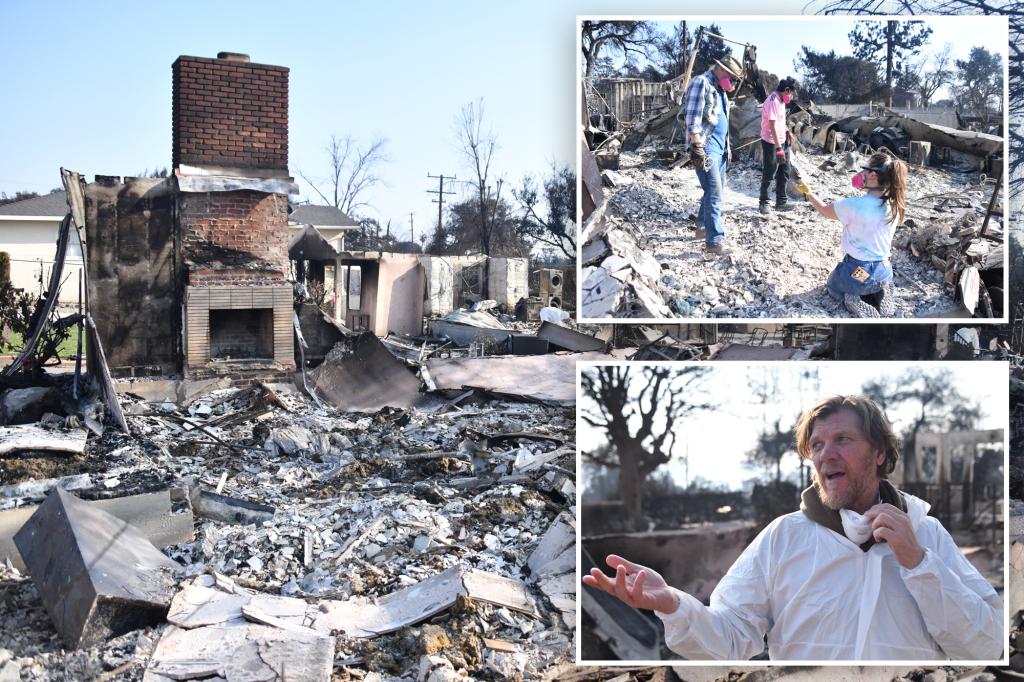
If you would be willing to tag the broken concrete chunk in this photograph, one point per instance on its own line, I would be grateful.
(602, 294)
(594, 251)
(98, 576)
(289, 440)
(436, 669)
(242, 652)
(614, 179)
(212, 600)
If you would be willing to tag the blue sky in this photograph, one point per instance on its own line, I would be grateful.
(88, 86)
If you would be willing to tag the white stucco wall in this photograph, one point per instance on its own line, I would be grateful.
(32, 244)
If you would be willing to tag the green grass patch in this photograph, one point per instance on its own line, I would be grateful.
(69, 347)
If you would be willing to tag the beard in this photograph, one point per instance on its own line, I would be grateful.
(842, 500)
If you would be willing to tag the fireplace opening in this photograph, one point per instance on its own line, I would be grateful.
(242, 334)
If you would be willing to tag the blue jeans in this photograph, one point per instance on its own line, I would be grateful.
(873, 273)
(710, 214)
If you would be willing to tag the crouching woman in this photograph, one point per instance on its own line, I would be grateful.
(869, 221)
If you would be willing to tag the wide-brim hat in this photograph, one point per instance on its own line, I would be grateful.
(730, 64)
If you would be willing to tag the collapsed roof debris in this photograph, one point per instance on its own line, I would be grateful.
(641, 257)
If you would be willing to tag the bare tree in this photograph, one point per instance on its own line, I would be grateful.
(478, 145)
(627, 37)
(640, 410)
(557, 201)
(354, 170)
(933, 72)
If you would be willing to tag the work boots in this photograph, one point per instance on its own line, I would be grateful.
(762, 208)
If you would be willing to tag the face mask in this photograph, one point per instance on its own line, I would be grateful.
(725, 83)
(787, 98)
(858, 181)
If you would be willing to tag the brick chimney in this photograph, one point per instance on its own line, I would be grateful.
(230, 118)
(230, 113)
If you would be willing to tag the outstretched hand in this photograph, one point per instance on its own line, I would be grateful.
(636, 585)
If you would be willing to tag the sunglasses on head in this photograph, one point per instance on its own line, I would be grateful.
(884, 168)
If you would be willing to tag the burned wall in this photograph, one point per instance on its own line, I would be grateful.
(133, 269)
(229, 112)
(236, 237)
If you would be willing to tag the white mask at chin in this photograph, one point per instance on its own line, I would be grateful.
(856, 527)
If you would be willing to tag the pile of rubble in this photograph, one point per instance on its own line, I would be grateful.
(299, 541)
(642, 258)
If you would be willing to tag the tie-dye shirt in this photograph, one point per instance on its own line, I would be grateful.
(867, 227)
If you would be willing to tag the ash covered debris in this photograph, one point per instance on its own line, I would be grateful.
(372, 506)
(644, 260)
(642, 257)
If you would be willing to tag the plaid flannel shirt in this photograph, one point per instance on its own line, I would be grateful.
(702, 107)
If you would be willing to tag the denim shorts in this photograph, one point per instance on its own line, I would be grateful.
(860, 277)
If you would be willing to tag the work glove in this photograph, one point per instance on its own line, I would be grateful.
(697, 157)
(802, 187)
(781, 153)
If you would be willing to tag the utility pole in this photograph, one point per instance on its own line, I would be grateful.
(440, 192)
(412, 230)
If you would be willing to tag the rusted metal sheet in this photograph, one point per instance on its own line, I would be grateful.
(360, 375)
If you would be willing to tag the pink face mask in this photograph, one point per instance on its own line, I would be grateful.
(725, 83)
(858, 181)
(787, 98)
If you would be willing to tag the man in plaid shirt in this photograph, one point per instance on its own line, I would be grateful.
(706, 113)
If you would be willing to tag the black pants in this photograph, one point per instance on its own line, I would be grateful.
(773, 167)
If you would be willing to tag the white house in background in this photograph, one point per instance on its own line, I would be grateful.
(331, 222)
(28, 232)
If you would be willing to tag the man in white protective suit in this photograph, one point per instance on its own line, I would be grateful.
(860, 573)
